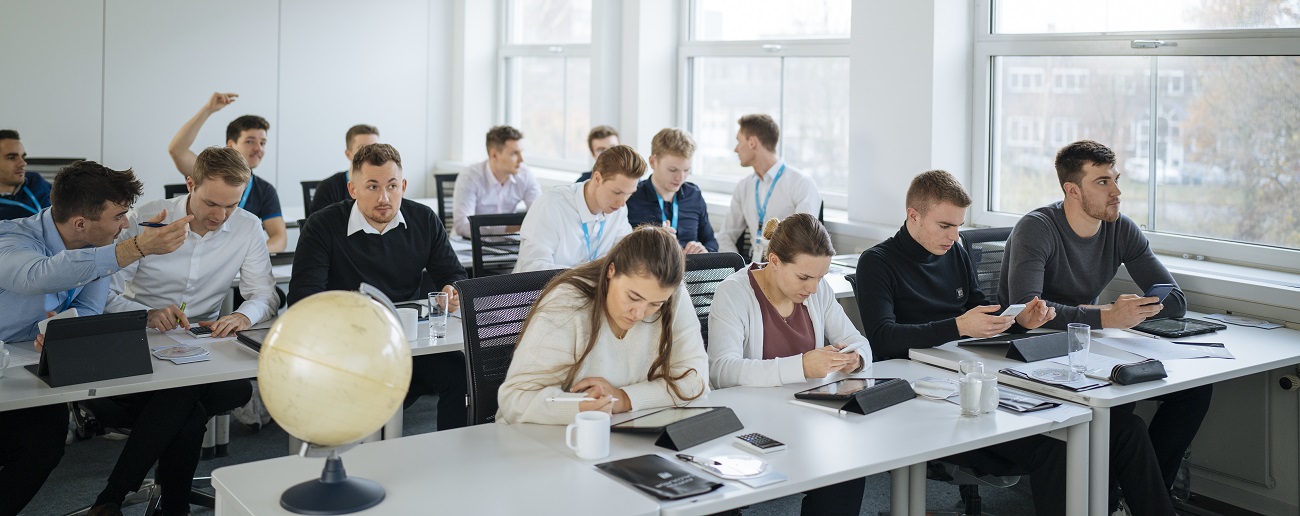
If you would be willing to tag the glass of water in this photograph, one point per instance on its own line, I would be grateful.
(438, 303)
(1078, 340)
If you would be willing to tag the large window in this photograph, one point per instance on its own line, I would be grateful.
(1197, 99)
(546, 72)
(785, 59)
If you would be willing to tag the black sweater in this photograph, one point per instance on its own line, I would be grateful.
(330, 190)
(910, 298)
(328, 259)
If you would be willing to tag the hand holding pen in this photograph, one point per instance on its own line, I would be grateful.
(159, 238)
(168, 318)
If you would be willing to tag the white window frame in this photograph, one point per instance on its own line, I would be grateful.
(507, 50)
(988, 45)
(689, 49)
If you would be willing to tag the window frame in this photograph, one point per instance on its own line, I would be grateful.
(689, 48)
(1221, 42)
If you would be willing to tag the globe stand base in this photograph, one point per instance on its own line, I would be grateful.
(333, 493)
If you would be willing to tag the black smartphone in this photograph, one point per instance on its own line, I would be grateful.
(1160, 290)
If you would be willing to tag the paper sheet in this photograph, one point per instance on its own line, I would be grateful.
(20, 357)
(184, 338)
(1243, 321)
(1099, 366)
(71, 312)
(1162, 349)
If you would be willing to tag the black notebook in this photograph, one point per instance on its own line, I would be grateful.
(660, 477)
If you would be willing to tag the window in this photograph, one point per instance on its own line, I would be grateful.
(1195, 98)
(785, 59)
(546, 77)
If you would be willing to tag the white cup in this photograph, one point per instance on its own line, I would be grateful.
(971, 390)
(988, 392)
(592, 439)
(410, 322)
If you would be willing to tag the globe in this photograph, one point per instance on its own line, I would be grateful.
(334, 368)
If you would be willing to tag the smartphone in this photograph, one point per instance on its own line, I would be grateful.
(1160, 290)
(852, 347)
(1013, 310)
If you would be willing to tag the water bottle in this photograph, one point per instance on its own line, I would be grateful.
(1182, 490)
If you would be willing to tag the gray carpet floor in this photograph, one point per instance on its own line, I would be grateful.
(86, 465)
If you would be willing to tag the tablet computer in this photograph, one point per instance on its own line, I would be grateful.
(1178, 327)
(656, 421)
(252, 339)
(843, 389)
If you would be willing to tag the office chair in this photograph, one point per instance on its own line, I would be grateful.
(493, 310)
(445, 185)
(308, 190)
(986, 247)
(175, 190)
(744, 246)
(494, 242)
(703, 274)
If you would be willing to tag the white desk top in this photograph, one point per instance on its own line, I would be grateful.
(483, 469)
(824, 449)
(1256, 349)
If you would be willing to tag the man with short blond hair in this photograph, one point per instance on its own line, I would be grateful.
(774, 191)
(666, 198)
(335, 188)
(497, 184)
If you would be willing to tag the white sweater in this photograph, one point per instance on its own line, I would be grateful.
(736, 335)
(555, 339)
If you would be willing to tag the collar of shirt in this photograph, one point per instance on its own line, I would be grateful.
(357, 222)
(771, 172)
(580, 203)
(53, 241)
(490, 179)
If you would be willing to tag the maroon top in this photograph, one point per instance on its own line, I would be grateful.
(782, 336)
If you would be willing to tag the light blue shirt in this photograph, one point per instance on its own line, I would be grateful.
(37, 271)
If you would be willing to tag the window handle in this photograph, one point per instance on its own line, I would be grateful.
(772, 48)
(1152, 43)
(555, 50)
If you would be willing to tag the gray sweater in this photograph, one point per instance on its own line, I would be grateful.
(1046, 258)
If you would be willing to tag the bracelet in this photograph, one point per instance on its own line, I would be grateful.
(135, 241)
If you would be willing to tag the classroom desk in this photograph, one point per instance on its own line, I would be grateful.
(825, 449)
(482, 469)
(1256, 350)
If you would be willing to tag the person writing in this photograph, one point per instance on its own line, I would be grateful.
(621, 329)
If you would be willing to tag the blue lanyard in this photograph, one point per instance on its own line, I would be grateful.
(762, 207)
(34, 208)
(67, 302)
(244, 200)
(660, 202)
(591, 252)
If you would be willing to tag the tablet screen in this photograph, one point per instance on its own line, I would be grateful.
(844, 387)
(663, 418)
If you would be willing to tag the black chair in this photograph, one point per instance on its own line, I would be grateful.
(494, 241)
(175, 190)
(308, 190)
(493, 312)
(745, 242)
(445, 184)
(703, 274)
(986, 247)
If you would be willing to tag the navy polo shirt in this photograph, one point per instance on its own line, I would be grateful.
(22, 205)
(644, 207)
(263, 200)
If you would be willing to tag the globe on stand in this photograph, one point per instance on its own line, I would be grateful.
(333, 369)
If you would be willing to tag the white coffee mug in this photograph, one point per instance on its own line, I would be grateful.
(410, 322)
(592, 439)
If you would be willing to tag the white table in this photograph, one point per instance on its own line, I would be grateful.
(1256, 350)
(826, 449)
(483, 469)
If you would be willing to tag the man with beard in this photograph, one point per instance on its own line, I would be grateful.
(376, 238)
(1068, 251)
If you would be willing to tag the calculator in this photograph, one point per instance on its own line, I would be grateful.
(759, 443)
(201, 331)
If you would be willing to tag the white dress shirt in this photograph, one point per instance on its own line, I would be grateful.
(199, 273)
(357, 222)
(478, 192)
(552, 235)
(796, 192)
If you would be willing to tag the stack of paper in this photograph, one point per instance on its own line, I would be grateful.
(182, 354)
(1165, 350)
(1027, 371)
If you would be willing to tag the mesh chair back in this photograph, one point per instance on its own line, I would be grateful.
(494, 240)
(175, 190)
(308, 191)
(986, 247)
(493, 311)
(445, 184)
(703, 274)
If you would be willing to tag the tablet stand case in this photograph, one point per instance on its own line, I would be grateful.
(880, 396)
(695, 430)
(1039, 347)
(94, 348)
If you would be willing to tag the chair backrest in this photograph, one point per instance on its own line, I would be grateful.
(986, 247)
(445, 184)
(308, 190)
(494, 240)
(703, 274)
(175, 190)
(493, 312)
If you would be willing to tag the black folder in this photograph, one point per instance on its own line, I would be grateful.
(659, 477)
(94, 348)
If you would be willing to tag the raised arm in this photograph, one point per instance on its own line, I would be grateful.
(179, 148)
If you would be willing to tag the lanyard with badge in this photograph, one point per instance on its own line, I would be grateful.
(244, 200)
(35, 207)
(67, 302)
(665, 213)
(591, 251)
(762, 207)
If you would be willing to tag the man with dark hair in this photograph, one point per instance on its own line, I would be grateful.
(918, 290)
(376, 238)
(247, 134)
(496, 185)
(600, 139)
(335, 188)
(22, 193)
(61, 258)
(1068, 251)
(764, 195)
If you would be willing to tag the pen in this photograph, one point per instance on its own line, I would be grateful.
(178, 319)
(153, 225)
(819, 407)
(577, 399)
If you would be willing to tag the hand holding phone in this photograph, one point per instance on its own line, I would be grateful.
(1160, 291)
(852, 347)
(1013, 310)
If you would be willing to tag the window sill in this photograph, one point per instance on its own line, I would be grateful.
(1211, 286)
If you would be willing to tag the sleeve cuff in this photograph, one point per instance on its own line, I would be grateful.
(106, 260)
(791, 369)
(645, 395)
